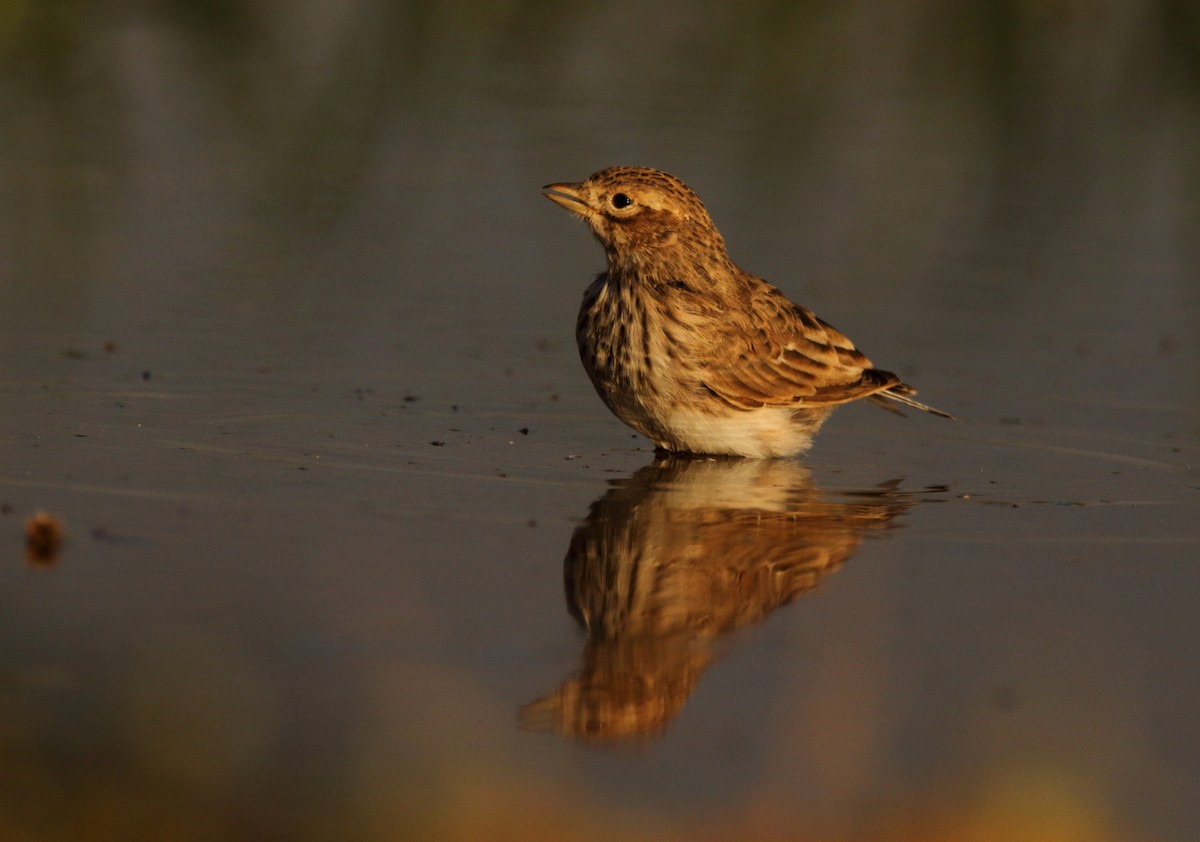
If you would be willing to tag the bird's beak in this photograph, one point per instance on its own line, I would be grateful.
(568, 196)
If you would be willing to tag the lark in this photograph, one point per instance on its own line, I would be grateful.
(690, 350)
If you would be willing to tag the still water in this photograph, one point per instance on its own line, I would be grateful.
(352, 550)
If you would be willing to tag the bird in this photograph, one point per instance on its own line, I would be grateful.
(692, 351)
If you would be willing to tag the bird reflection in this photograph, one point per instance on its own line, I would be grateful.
(677, 555)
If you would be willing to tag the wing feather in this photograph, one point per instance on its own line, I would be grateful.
(789, 357)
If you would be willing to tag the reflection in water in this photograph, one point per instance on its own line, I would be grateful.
(683, 551)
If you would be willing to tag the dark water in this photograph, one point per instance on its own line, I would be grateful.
(287, 346)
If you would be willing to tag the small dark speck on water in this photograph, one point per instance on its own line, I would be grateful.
(146, 375)
(411, 398)
(43, 539)
(438, 443)
(524, 431)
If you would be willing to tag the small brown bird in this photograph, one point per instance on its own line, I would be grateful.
(693, 352)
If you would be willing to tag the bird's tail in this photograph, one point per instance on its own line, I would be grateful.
(902, 393)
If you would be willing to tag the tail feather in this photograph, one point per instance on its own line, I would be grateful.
(901, 393)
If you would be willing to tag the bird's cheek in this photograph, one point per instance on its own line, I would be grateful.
(617, 235)
(600, 227)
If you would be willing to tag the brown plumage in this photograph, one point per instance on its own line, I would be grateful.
(678, 555)
(689, 349)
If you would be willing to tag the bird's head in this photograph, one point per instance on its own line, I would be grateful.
(639, 214)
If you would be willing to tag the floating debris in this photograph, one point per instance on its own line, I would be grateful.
(43, 539)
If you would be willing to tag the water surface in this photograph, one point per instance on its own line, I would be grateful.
(286, 335)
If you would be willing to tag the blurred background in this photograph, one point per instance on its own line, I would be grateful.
(286, 345)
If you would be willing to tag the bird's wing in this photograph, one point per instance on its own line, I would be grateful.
(787, 356)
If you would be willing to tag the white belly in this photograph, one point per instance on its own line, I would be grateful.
(760, 433)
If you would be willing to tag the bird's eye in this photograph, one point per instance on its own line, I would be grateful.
(620, 200)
